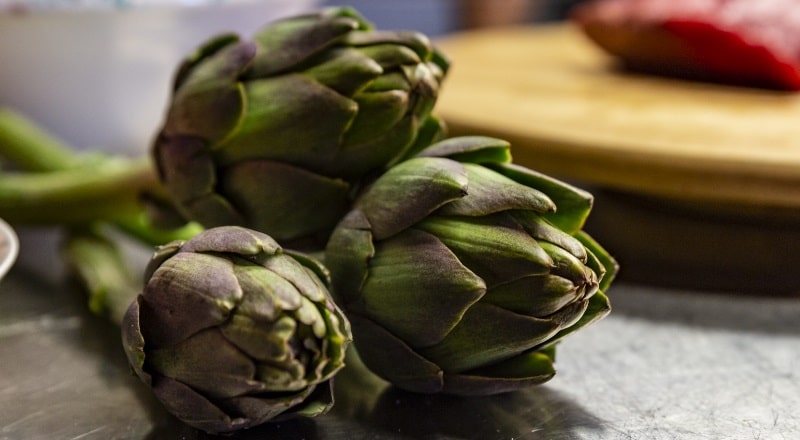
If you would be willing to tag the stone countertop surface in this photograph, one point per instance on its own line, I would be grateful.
(665, 364)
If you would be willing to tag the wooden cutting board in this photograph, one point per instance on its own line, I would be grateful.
(570, 112)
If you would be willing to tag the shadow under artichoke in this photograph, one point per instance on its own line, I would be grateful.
(300, 428)
(381, 409)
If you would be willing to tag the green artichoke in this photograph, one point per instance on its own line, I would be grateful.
(231, 331)
(275, 133)
(460, 271)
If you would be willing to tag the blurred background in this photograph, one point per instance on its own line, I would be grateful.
(110, 62)
(440, 17)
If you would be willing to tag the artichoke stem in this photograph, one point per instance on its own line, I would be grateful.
(109, 191)
(64, 187)
(31, 148)
(139, 227)
(98, 266)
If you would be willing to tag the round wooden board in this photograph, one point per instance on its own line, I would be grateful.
(568, 111)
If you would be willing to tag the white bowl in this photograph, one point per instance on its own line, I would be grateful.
(9, 248)
(99, 77)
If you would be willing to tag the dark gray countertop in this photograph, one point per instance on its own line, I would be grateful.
(665, 364)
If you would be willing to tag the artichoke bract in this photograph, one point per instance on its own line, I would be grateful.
(460, 271)
(274, 133)
(231, 331)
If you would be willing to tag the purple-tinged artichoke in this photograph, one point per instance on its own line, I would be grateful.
(460, 271)
(275, 133)
(231, 331)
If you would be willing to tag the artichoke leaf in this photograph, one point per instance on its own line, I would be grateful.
(569, 266)
(431, 130)
(285, 217)
(160, 255)
(266, 294)
(310, 316)
(185, 166)
(214, 209)
(531, 363)
(223, 371)
(389, 55)
(133, 342)
(274, 123)
(316, 403)
(494, 247)
(347, 255)
(313, 265)
(410, 191)
(573, 204)
(534, 295)
(609, 268)
(378, 150)
(490, 192)
(345, 70)
(296, 274)
(541, 229)
(390, 357)
(378, 112)
(427, 288)
(211, 110)
(473, 149)
(388, 81)
(265, 341)
(203, 284)
(228, 60)
(286, 43)
(193, 408)
(337, 343)
(488, 334)
(424, 87)
(236, 240)
(205, 50)
(571, 313)
(598, 307)
(415, 41)
(287, 377)
(527, 369)
(311, 401)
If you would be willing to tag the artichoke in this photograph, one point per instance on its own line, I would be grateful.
(460, 271)
(230, 331)
(275, 133)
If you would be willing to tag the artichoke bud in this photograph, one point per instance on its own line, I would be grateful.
(230, 331)
(307, 110)
(460, 271)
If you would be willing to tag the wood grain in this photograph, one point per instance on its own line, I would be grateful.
(570, 112)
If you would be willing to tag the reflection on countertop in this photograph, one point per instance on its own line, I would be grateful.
(665, 363)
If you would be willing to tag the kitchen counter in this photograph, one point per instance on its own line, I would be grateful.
(666, 364)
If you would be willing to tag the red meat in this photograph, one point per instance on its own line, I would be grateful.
(745, 42)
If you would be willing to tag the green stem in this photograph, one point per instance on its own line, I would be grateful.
(109, 191)
(98, 265)
(140, 228)
(30, 147)
(83, 193)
